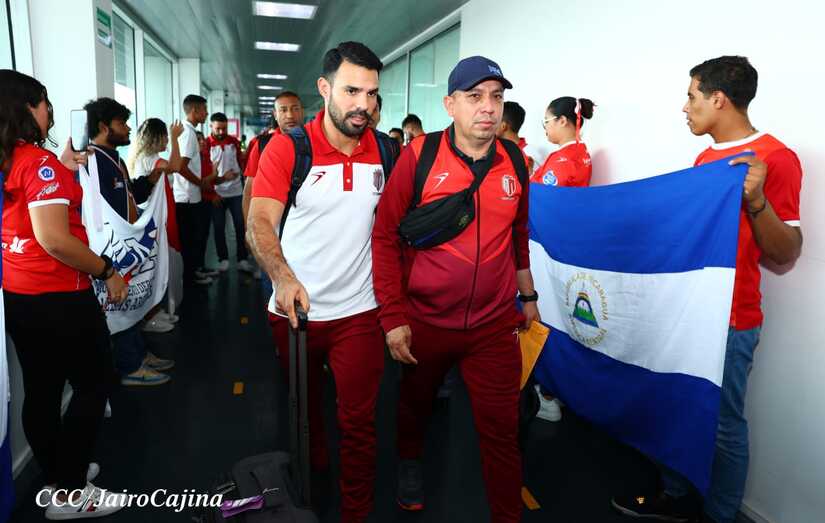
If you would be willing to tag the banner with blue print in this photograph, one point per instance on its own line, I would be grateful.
(636, 282)
(139, 251)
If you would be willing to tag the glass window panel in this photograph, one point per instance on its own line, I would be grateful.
(430, 66)
(393, 94)
(124, 52)
(158, 84)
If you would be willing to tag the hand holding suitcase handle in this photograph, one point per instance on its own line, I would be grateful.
(289, 292)
(301, 315)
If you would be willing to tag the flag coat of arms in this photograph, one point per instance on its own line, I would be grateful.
(636, 283)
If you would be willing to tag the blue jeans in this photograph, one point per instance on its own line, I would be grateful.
(730, 461)
(130, 350)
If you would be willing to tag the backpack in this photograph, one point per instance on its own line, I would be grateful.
(387, 148)
(439, 221)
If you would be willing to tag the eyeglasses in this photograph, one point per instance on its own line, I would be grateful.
(546, 121)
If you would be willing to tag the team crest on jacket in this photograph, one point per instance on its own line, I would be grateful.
(508, 185)
(378, 180)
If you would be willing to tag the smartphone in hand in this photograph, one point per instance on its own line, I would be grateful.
(80, 130)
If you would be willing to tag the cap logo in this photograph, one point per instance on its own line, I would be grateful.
(495, 70)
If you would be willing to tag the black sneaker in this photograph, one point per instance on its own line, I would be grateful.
(658, 507)
(410, 485)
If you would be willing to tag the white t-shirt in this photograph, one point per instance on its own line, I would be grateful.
(226, 156)
(183, 189)
(144, 165)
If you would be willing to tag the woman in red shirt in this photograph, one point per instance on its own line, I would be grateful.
(570, 165)
(51, 312)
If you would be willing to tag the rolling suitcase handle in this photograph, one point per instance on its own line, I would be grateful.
(299, 405)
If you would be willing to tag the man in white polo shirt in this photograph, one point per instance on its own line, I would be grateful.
(323, 260)
(186, 187)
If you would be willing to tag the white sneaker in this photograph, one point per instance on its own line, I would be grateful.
(245, 266)
(92, 502)
(157, 325)
(44, 497)
(107, 411)
(550, 409)
(223, 266)
(204, 272)
(168, 318)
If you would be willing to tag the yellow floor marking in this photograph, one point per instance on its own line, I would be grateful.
(237, 390)
(529, 501)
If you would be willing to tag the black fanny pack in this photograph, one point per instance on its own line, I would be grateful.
(442, 220)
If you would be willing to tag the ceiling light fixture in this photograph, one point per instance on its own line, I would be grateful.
(277, 46)
(284, 10)
(270, 87)
(263, 76)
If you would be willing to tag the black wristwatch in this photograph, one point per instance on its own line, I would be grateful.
(532, 297)
(108, 269)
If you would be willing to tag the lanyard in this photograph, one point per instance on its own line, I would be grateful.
(129, 197)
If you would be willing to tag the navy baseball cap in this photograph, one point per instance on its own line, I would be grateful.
(472, 71)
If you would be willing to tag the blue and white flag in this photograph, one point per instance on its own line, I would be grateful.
(6, 477)
(636, 283)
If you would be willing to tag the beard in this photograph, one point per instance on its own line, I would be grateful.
(117, 139)
(341, 121)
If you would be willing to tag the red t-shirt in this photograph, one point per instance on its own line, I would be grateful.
(782, 186)
(253, 155)
(38, 178)
(208, 193)
(522, 144)
(570, 166)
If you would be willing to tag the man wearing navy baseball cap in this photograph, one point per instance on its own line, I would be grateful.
(449, 252)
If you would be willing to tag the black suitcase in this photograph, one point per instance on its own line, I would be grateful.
(281, 477)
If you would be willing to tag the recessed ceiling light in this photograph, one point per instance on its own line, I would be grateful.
(266, 98)
(277, 46)
(265, 102)
(272, 76)
(270, 87)
(284, 10)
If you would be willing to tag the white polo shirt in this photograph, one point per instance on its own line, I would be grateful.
(327, 235)
(184, 190)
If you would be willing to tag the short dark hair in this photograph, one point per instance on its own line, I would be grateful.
(733, 75)
(16, 120)
(292, 94)
(396, 130)
(218, 117)
(566, 106)
(191, 101)
(354, 53)
(103, 111)
(513, 115)
(412, 119)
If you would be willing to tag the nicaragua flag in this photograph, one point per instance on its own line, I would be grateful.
(6, 478)
(636, 282)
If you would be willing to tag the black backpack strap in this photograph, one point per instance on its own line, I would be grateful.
(389, 150)
(300, 171)
(425, 162)
(517, 159)
(264, 139)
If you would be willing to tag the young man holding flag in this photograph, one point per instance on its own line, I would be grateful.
(718, 97)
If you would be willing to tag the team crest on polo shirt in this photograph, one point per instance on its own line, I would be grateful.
(549, 178)
(508, 185)
(45, 173)
(378, 180)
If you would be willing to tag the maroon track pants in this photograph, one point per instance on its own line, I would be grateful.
(490, 362)
(355, 349)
